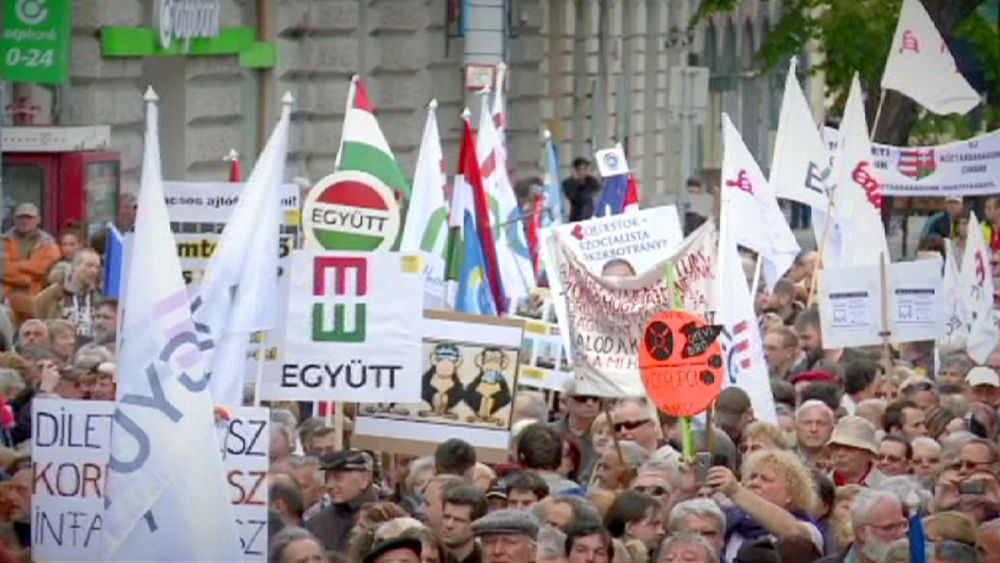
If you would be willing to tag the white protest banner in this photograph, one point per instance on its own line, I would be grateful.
(916, 301)
(850, 306)
(962, 168)
(627, 244)
(354, 328)
(244, 437)
(69, 454)
(198, 213)
(607, 314)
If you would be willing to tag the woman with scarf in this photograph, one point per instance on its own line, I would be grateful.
(775, 499)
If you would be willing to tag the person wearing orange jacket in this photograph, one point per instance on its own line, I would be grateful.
(28, 253)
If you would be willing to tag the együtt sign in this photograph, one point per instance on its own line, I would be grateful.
(34, 46)
(353, 331)
(351, 211)
(681, 362)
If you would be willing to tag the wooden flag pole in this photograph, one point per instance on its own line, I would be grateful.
(827, 228)
(259, 377)
(338, 425)
(756, 277)
(878, 115)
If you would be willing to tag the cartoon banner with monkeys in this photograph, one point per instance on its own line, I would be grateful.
(468, 382)
(607, 313)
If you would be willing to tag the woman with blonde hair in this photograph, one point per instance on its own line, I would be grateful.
(777, 495)
(600, 432)
(950, 526)
(840, 517)
(761, 435)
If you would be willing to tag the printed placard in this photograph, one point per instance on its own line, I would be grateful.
(467, 389)
(70, 445)
(244, 437)
(851, 304)
(626, 245)
(354, 328)
(543, 361)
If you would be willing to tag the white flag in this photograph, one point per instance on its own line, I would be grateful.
(857, 199)
(955, 331)
(516, 272)
(800, 169)
(755, 220)
(238, 294)
(426, 227)
(167, 498)
(744, 353)
(921, 67)
(977, 282)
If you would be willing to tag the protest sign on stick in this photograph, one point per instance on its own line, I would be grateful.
(69, 455)
(470, 373)
(353, 328)
(681, 362)
(244, 436)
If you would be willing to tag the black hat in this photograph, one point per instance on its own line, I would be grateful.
(346, 460)
(407, 542)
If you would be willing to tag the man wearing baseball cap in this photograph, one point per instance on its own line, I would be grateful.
(984, 384)
(507, 536)
(855, 448)
(349, 483)
(28, 253)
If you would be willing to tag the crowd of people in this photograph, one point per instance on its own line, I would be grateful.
(866, 462)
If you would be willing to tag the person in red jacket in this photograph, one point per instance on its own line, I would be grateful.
(28, 253)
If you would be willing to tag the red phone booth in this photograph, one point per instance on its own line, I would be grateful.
(68, 172)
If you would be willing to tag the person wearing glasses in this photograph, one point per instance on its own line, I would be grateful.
(894, 454)
(633, 420)
(654, 484)
(880, 527)
(581, 411)
(701, 517)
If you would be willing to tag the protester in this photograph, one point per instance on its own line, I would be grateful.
(580, 189)
(349, 483)
(507, 536)
(462, 506)
(28, 253)
(588, 543)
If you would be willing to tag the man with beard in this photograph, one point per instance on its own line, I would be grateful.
(879, 526)
(782, 302)
(106, 322)
(462, 506)
(781, 348)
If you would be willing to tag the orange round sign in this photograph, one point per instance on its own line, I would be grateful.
(681, 362)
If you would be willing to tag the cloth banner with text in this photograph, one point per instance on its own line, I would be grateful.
(962, 168)
(354, 328)
(607, 314)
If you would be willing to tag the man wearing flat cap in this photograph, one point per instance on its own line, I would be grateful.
(28, 253)
(349, 483)
(507, 536)
(403, 549)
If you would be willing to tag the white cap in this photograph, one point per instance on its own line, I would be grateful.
(982, 375)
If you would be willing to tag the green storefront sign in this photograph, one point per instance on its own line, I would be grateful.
(34, 46)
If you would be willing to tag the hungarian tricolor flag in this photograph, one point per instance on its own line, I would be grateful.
(363, 146)
(469, 200)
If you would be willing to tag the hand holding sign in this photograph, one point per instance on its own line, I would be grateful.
(681, 362)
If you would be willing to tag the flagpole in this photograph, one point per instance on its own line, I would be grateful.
(878, 115)
(259, 378)
(351, 93)
(756, 276)
(822, 249)
(886, 332)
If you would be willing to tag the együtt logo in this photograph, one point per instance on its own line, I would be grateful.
(351, 211)
(339, 312)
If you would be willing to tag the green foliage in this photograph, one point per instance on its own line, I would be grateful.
(855, 36)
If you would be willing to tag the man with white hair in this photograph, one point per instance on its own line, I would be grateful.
(701, 517)
(879, 525)
(687, 547)
(814, 422)
(551, 546)
(633, 420)
(926, 461)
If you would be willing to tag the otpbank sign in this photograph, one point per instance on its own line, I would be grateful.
(34, 45)
(188, 28)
